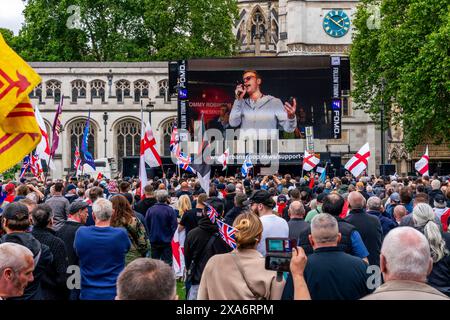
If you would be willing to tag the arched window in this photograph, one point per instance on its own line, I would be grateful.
(36, 93)
(78, 90)
(163, 87)
(122, 89)
(76, 131)
(128, 133)
(53, 90)
(166, 130)
(141, 88)
(98, 89)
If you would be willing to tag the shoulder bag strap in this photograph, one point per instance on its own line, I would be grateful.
(241, 270)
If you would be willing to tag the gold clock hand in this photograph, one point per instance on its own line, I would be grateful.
(337, 23)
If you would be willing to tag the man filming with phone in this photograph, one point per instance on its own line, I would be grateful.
(254, 110)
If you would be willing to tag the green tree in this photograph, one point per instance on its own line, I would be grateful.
(410, 50)
(11, 173)
(132, 30)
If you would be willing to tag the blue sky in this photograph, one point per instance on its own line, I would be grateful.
(11, 15)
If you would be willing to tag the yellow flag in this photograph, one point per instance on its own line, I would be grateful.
(19, 130)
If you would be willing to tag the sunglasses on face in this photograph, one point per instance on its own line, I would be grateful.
(248, 78)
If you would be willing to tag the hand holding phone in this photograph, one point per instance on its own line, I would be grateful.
(279, 253)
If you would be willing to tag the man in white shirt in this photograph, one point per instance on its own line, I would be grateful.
(273, 226)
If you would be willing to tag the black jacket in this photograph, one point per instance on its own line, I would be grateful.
(53, 283)
(345, 229)
(296, 227)
(67, 234)
(197, 239)
(229, 201)
(232, 214)
(143, 205)
(33, 290)
(331, 274)
(439, 277)
(369, 227)
(432, 195)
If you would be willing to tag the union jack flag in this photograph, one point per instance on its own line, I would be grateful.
(32, 162)
(212, 213)
(184, 162)
(227, 233)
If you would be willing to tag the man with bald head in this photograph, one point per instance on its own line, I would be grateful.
(296, 223)
(184, 189)
(405, 263)
(399, 213)
(368, 226)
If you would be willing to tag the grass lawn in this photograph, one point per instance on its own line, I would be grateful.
(181, 291)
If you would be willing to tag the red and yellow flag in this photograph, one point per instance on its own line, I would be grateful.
(19, 130)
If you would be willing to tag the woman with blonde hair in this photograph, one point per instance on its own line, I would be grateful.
(184, 204)
(241, 274)
(123, 216)
(425, 222)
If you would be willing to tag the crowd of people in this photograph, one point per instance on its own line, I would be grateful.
(366, 238)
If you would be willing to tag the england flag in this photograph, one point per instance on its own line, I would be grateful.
(310, 161)
(359, 162)
(223, 159)
(422, 165)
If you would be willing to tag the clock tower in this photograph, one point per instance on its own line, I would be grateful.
(294, 27)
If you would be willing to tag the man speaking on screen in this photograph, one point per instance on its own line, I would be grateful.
(254, 110)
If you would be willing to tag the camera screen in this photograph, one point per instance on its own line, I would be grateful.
(278, 263)
(280, 245)
(276, 245)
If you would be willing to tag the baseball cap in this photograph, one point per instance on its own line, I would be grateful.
(439, 201)
(281, 198)
(10, 187)
(76, 206)
(395, 197)
(261, 196)
(15, 211)
(71, 187)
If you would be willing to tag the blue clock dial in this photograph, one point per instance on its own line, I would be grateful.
(336, 23)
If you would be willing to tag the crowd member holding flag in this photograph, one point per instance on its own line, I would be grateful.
(88, 159)
(245, 262)
(201, 244)
(246, 166)
(19, 130)
(359, 162)
(223, 159)
(43, 148)
(310, 161)
(422, 165)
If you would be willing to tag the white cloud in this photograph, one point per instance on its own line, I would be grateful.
(11, 15)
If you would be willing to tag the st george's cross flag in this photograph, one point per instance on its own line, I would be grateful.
(178, 253)
(359, 162)
(422, 165)
(148, 154)
(310, 161)
(43, 148)
(19, 130)
(223, 159)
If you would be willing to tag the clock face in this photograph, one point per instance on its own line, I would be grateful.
(336, 23)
